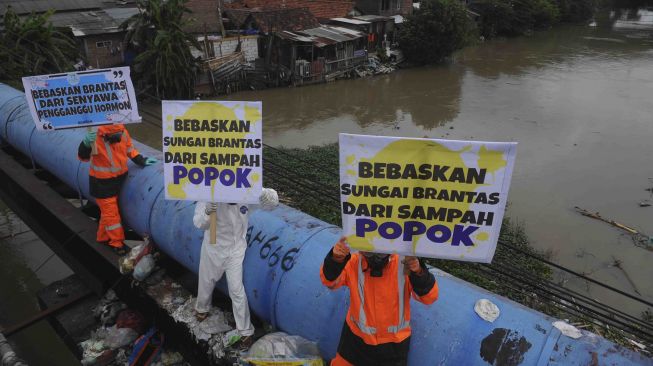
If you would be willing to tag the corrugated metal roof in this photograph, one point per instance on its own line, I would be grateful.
(41, 6)
(121, 14)
(327, 33)
(371, 18)
(295, 37)
(85, 23)
(322, 36)
(350, 21)
(351, 32)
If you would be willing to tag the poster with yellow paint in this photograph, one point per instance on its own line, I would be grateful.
(424, 197)
(213, 151)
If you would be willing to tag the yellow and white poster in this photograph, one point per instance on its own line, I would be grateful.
(213, 151)
(424, 197)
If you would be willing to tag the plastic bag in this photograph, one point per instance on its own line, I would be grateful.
(131, 319)
(129, 261)
(215, 324)
(120, 337)
(144, 267)
(282, 349)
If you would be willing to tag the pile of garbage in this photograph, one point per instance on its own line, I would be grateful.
(375, 66)
(139, 261)
(123, 338)
(282, 349)
(216, 333)
(124, 335)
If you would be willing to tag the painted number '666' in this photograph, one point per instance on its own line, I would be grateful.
(271, 252)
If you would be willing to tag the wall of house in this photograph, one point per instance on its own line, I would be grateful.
(320, 8)
(104, 50)
(228, 46)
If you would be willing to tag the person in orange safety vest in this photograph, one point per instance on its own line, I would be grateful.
(107, 172)
(377, 326)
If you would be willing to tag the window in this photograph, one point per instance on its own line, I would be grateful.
(385, 4)
(103, 44)
(398, 4)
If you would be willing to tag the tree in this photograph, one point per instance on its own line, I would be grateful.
(33, 46)
(434, 31)
(165, 65)
(576, 10)
(497, 17)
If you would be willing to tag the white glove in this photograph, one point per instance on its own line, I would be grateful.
(269, 198)
(210, 208)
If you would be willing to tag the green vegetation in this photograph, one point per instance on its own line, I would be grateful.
(440, 27)
(164, 66)
(434, 31)
(33, 46)
(517, 17)
(574, 11)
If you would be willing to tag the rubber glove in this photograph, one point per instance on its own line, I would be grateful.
(340, 250)
(412, 264)
(90, 138)
(150, 161)
(210, 208)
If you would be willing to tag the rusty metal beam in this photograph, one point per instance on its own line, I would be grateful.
(9, 331)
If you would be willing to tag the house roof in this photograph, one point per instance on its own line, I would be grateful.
(22, 7)
(121, 14)
(321, 9)
(322, 36)
(274, 19)
(204, 15)
(350, 21)
(86, 23)
(371, 18)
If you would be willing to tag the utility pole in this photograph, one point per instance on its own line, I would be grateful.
(220, 24)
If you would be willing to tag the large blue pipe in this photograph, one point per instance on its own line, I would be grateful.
(282, 269)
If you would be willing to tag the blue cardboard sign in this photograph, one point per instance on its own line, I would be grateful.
(81, 99)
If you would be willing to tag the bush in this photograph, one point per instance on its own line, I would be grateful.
(31, 45)
(497, 17)
(533, 14)
(515, 17)
(435, 31)
(576, 10)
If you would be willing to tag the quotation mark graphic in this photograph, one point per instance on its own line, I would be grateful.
(117, 74)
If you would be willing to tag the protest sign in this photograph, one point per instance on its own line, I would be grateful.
(81, 99)
(213, 151)
(424, 197)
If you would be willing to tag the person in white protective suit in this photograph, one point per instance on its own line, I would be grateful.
(226, 255)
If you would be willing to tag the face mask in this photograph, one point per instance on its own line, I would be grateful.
(113, 138)
(376, 262)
